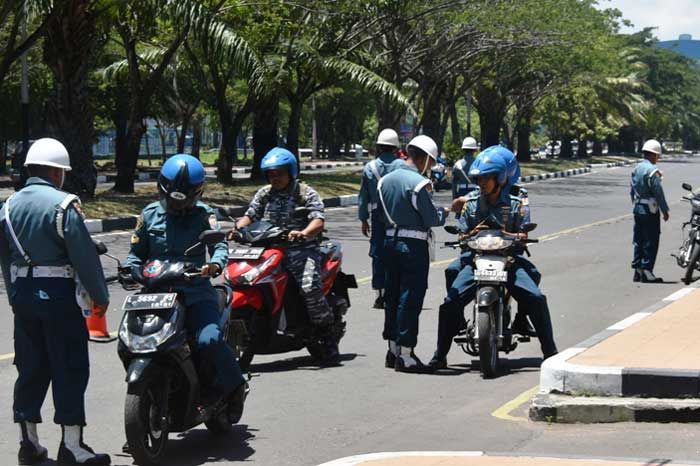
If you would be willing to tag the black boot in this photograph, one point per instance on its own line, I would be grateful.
(637, 275)
(437, 362)
(407, 361)
(390, 358)
(30, 451)
(522, 326)
(74, 451)
(648, 276)
(379, 301)
(236, 403)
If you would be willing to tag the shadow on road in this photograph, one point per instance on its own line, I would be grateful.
(198, 446)
(297, 363)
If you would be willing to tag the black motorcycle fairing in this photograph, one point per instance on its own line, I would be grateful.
(146, 323)
(259, 232)
(136, 369)
(160, 274)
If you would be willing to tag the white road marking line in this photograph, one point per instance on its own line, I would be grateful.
(359, 459)
(629, 321)
(679, 294)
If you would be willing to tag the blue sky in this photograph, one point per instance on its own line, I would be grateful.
(672, 17)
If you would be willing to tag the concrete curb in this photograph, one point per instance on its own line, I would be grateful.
(559, 376)
(565, 409)
(129, 222)
(561, 174)
(580, 393)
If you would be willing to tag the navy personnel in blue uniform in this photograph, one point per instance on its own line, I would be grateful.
(409, 213)
(461, 184)
(49, 272)
(165, 230)
(648, 198)
(493, 202)
(369, 209)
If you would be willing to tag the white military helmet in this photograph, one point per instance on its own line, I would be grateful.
(388, 137)
(469, 143)
(49, 153)
(426, 144)
(653, 146)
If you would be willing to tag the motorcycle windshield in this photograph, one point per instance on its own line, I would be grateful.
(490, 240)
(259, 232)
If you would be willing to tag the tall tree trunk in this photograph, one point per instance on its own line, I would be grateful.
(597, 147)
(70, 44)
(296, 106)
(228, 144)
(127, 160)
(524, 129)
(182, 135)
(388, 113)
(582, 151)
(566, 148)
(265, 124)
(196, 136)
(454, 121)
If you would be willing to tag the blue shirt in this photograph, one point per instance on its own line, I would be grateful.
(166, 237)
(33, 214)
(510, 212)
(368, 199)
(646, 186)
(408, 201)
(461, 184)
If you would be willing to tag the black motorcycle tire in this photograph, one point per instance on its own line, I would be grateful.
(219, 424)
(692, 263)
(488, 344)
(146, 448)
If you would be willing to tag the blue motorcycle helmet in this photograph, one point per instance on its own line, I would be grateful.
(513, 167)
(181, 183)
(490, 162)
(279, 157)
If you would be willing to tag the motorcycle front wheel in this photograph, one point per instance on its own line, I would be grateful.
(692, 263)
(488, 343)
(145, 433)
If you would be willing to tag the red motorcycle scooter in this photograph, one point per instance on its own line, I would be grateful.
(268, 314)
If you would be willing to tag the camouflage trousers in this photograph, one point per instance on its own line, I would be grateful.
(304, 264)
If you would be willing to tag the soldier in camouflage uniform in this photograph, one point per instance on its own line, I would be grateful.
(276, 203)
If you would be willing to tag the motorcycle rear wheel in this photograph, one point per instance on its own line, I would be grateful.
(692, 263)
(146, 443)
(488, 344)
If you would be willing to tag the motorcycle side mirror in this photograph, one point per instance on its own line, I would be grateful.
(100, 247)
(687, 187)
(451, 229)
(527, 227)
(301, 212)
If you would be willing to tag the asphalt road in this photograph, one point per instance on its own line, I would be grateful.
(298, 414)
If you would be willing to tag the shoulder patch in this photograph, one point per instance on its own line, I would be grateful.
(78, 208)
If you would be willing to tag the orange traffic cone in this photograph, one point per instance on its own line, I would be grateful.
(97, 326)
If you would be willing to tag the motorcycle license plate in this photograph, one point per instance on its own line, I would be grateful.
(141, 302)
(244, 253)
(491, 275)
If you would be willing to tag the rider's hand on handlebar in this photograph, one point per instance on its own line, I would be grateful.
(458, 203)
(296, 235)
(211, 270)
(365, 228)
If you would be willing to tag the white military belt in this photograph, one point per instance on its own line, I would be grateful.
(42, 271)
(406, 233)
(646, 201)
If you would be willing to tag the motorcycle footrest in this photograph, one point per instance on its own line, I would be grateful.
(524, 339)
(461, 340)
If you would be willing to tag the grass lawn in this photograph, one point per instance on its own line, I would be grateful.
(110, 204)
(537, 167)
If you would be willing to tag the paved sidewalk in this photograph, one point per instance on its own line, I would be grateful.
(652, 354)
(480, 459)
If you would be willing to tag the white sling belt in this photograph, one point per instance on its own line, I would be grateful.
(82, 297)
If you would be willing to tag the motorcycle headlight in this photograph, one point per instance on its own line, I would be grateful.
(253, 274)
(488, 243)
(147, 343)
